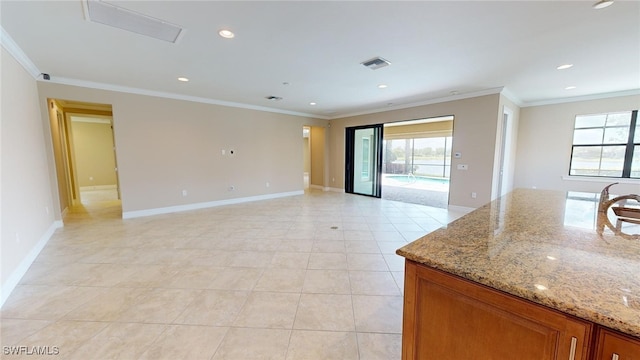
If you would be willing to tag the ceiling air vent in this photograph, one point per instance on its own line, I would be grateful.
(375, 63)
(273, 98)
(125, 19)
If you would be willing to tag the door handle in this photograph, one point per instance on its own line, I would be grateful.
(572, 351)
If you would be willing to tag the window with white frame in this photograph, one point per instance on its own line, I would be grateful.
(606, 145)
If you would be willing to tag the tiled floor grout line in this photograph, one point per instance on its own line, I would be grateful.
(228, 236)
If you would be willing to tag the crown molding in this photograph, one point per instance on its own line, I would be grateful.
(162, 94)
(12, 47)
(425, 102)
(583, 98)
(512, 97)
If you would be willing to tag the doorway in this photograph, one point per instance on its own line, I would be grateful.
(407, 161)
(363, 160)
(505, 146)
(306, 156)
(85, 158)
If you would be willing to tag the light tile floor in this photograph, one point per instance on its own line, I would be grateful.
(305, 277)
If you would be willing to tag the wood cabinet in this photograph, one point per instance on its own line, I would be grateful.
(612, 345)
(447, 317)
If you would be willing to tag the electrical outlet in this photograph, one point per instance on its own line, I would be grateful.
(463, 167)
(474, 195)
(232, 188)
(184, 193)
(268, 184)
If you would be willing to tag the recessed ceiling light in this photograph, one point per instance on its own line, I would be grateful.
(382, 86)
(602, 4)
(313, 104)
(570, 88)
(227, 34)
(183, 79)
(564, 66)
(541, 287)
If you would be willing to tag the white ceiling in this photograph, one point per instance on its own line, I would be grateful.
(435, 48)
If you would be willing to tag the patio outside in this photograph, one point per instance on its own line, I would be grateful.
(417, 171)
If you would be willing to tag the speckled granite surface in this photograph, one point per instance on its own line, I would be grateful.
(543, 246)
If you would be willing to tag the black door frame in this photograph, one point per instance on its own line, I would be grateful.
(349, 156)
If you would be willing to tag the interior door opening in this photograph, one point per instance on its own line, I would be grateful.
(306, 151)
(85, 157)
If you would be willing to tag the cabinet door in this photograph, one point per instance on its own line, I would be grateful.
(615, 346)
(447, 317)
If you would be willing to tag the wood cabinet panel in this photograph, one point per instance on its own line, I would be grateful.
(447, 317)
(611, 344)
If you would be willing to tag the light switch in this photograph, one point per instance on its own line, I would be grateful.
(457, 155)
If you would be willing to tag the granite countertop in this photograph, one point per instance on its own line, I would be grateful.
(544, 246)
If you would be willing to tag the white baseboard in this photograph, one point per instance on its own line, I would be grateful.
(204, 205)
(325, 188)
(461, 209)
(98, 187)
(14, 279)
(332, 189)
(63, 213)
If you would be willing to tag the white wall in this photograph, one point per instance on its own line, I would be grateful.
(544, 145)
(165, 146)
(26, 193)
(474, 136)
(93, 153)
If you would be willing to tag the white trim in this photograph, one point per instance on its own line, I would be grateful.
(93, 120)
(98, 187)
(18, 273)
(461, 209)
(583, 98)
(333, 189)
(162, 94)
(204, 205)
(604, 180)
(468, 95)
(317, 187)
(12, 47)
(512, 97)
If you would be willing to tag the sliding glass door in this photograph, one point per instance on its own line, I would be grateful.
(363, 160)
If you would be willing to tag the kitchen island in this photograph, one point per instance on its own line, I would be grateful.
(532, 275)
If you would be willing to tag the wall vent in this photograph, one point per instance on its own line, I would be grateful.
(273, 98)
(376, 63)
